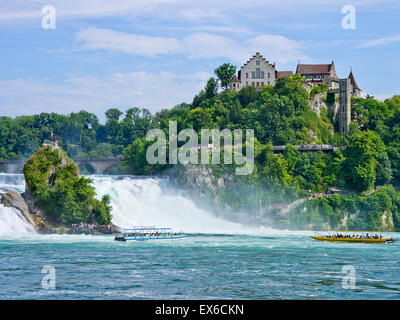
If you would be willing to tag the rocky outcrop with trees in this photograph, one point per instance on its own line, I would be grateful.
(56, 196)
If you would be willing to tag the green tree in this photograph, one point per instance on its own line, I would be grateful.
(113, 114)
(135, 158)
(248, 95)
(225, 74)
(211, 88)
(361, 154)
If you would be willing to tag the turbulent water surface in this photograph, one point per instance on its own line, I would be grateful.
(218, 259)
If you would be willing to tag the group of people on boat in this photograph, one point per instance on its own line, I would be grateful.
(90, 228)
(354, 236)
(153, 234)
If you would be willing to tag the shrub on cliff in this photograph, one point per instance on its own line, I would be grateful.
(377, 211)
(58, 189)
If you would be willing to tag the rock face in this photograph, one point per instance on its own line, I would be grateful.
(318, 102)
(201, 177)
(31, 213)
(387, 221)
(14, 200)
(204, 186)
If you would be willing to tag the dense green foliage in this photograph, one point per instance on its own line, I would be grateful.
(80, 134)
(57, 187)
(351, 212)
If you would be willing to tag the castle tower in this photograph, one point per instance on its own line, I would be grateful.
(345, 106)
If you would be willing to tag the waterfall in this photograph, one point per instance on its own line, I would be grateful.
(135, 201)
(13, 223)
(155, 202)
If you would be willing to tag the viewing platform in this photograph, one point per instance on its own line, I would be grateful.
(303, 147)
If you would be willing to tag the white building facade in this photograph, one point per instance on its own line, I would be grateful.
(257, 72)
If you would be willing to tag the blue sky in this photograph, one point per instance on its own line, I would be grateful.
(158, 53)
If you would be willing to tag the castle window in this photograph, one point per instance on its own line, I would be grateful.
(253, 84)
(269, 75)
(258, 84)
(247, 83)
(253, 74)
(247, 74)
(262, 84)
(262, 74)
(258, 62)
(258, 73)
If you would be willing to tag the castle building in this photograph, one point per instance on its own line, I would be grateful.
(355, 91)
(281, 74)
(326, 73)
(259, 72)
(256, 72)
(319, 73)
(235, 84)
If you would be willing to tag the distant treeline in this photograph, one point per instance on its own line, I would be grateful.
(80, 134)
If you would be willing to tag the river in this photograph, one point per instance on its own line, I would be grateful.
(217, 260)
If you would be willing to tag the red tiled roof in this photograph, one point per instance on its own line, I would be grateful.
(280, 74)
(353, 81)
(235, 79)
(313, 68)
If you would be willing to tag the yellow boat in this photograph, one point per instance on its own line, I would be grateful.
(366, 237)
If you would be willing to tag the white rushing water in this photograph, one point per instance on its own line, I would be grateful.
(154, 202)
(137, 201)
(13, 223)
(11, 181)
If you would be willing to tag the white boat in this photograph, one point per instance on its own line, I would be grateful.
(141, 233)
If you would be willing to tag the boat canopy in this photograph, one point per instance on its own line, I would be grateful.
(345, 231)
(146, 228)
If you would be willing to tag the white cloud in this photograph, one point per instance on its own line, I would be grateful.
(380, 41)
(149, 90)
(200, 14)
(276, 48)
(106, 39)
